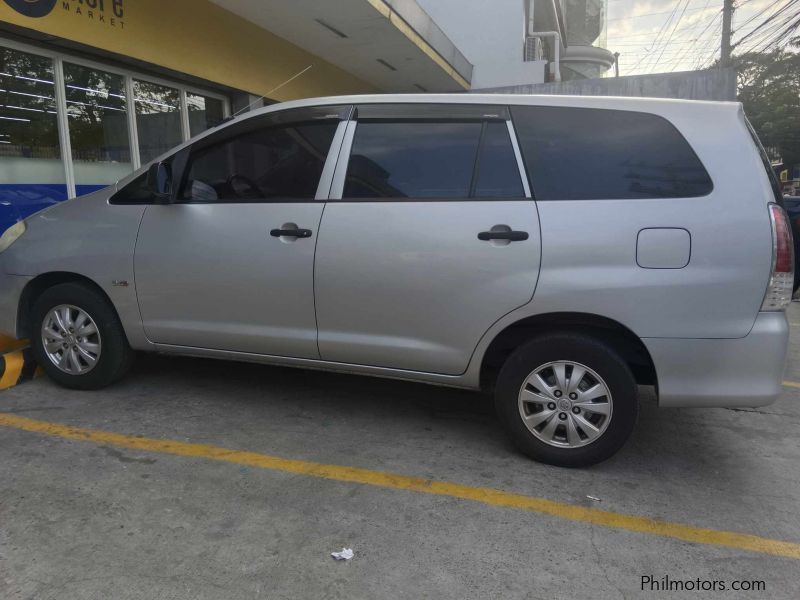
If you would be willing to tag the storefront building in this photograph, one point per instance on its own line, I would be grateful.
(92, 89)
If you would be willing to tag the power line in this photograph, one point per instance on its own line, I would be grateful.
(660, 33)
(760, 13)
(768, 28)
(699, 36)
(677, 22)
(652, 57)
(640, 16)
(627, 36)
(761, 29)
(713, 44)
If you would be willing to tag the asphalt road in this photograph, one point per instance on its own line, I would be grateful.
(114, 511)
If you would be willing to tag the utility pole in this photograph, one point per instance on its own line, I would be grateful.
(616, 63)
(727, 18)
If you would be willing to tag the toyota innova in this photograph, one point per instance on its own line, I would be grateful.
(557, 252)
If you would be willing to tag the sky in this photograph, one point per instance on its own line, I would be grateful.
(689, 39)
(652, 36)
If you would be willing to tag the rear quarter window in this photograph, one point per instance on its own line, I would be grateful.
(599, 154)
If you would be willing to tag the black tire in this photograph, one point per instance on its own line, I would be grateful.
(115, 355)
(586, 351)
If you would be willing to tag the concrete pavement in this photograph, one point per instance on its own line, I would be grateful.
(91, 520)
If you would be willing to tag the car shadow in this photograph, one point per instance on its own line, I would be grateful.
(666, 442)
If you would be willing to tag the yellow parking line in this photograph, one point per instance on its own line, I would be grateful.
(571, 512)
(793, 384)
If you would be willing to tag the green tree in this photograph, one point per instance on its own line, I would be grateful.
(769, 89)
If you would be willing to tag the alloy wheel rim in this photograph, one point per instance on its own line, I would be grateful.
(565, 404)
(71, 339)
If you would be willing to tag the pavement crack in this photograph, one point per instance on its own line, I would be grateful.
(760, 412)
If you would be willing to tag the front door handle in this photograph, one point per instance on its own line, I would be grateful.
(511, 236)
(297, 233)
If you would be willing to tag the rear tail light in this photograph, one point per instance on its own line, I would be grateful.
(781, 280)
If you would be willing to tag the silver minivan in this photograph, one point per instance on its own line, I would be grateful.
(555, 251)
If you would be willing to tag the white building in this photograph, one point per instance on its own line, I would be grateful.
(513, 42)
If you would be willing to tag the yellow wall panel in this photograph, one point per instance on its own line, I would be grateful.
(194, 37)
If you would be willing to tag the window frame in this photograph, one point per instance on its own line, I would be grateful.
(59, 58)
(437, 112)
(324, 113)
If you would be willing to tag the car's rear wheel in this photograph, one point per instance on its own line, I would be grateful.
(567, 400)
(77, 337)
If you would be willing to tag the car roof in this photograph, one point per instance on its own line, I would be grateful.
(607, 102)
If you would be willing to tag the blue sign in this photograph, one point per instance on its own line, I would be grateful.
(32, 8)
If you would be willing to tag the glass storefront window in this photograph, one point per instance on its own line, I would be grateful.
(158, 118)
(31, 169)
(204, 113)
(98, 127)
(98, 104)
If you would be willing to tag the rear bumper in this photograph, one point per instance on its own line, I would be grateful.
(746, 371)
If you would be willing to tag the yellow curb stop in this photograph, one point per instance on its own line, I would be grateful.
(17, 366)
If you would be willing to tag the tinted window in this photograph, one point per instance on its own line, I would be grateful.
(410, 159)
(587, 154)
(274, 163)
(136, 192)
(497, 173)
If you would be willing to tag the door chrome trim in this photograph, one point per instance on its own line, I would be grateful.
(326, 179)
(337, 186)
(520, 163)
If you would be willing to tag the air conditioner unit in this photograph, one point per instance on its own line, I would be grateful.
(534, 49)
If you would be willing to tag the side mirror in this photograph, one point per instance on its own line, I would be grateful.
(159, 182)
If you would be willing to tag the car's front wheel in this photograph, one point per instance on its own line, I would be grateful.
(567, 400)
(77, 337)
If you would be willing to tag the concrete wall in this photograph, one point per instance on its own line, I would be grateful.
(712, 84)
(491, 34)
(512, 73)
(421, 22)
